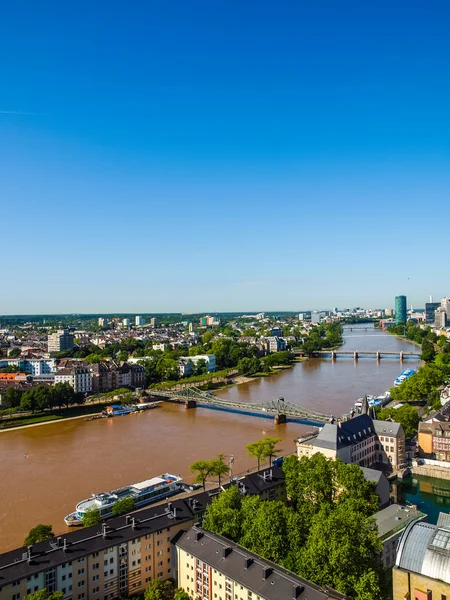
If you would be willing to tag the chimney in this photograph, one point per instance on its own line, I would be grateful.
(127, 519)
(298, 589)
(29, 551)
(198, 535)
(248, 562)
(174, 512)
(226, 551)
(133, 523)
(169, 506)
(104, 532)
(64, 545)
(58, 541)
(267, 572)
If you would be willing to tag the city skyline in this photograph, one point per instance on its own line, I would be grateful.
(226, 156)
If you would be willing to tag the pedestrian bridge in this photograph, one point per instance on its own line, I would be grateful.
(279, 408)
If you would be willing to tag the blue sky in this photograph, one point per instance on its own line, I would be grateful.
(224, 155)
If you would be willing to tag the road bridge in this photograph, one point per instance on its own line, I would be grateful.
(378, 354)
(279, 408)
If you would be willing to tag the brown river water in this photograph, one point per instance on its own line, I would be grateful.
(46, 470)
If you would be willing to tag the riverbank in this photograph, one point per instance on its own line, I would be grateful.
(47, 422)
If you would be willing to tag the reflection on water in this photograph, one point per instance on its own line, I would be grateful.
(431, 495)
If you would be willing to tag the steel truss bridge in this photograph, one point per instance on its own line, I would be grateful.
(279, 408)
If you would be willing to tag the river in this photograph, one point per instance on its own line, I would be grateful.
(46, 470)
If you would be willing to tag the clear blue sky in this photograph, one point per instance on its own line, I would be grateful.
(223, 155)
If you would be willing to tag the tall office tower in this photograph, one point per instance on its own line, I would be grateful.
(430, 309)
(154, 322)
(139, 320)
(400, 310)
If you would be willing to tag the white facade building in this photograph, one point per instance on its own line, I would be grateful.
(138, 320)
(79, 378)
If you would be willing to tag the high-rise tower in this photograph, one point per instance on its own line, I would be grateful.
(400, 310)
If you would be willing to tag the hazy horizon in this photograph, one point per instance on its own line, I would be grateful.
(224, 155)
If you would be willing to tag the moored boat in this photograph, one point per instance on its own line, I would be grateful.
(143, 493)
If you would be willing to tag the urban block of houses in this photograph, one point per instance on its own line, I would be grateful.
(118, 558)
(434, 440)
(211, 566)
(422, 566)
(360, 440)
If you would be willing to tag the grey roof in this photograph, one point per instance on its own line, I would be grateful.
(372, 475)
(263, 577)
(394, 518)
(346, 433)
(425, 549)
(14, 564)
(388, 428)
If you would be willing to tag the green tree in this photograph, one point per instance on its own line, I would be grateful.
(249, 366)
(223, 515)
(91, 517)
(15, 352)
(342, 547)
(271, 448)
(180, 594)
(265, 530)
(38, 534)
(44, 595)
(406, 415)
(258, 450)
(124, 506)
(428, 351)
(159, 590)
(220, 467)
(203, 468)
(11, 398)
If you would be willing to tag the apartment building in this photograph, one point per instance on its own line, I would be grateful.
(78, 377)
(32, 366)
(186, 366)
(360, 440)
(59, 341)
(211, 567)
(122, 556)
(434, 440)
(422, 566)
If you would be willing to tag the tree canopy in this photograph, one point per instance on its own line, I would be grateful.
(124, 506)
(406, 415)
(38, 534)
(325, 533)
(92, 517)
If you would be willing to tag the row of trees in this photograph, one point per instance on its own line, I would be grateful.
(217, 467)
(41, 397)
(324, 534)
(422, 386)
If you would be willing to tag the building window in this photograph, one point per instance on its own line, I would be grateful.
(80, 571)
(81, 583)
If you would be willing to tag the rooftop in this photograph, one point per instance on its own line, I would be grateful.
(425, 549)
(394, 518)
(264, 578)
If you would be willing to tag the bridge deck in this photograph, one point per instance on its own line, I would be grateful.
(273, 407)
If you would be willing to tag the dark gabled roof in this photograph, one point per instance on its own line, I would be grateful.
(346, 433)
(44, 555)
(263, 577)
(14, 564)
(259, 482)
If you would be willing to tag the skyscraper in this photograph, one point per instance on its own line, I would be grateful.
(400, 310)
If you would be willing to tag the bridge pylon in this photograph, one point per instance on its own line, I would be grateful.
(190, 404)
(355, 355)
